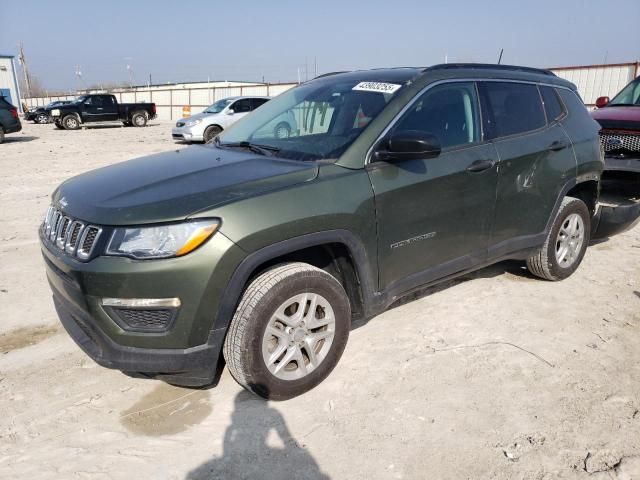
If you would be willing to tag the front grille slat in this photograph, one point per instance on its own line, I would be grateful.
(70, 235)
(613, 141)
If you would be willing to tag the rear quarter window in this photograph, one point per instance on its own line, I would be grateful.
(511, 108)
(552, 104)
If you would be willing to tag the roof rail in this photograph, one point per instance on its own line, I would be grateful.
(330, 73)
(489, 66)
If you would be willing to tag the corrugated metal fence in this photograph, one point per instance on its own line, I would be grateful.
(169, 102)
(593, 81)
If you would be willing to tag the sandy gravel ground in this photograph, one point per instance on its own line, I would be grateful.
(494, 375)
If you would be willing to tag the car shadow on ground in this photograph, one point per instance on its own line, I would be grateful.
(258, 445)
(18, 139)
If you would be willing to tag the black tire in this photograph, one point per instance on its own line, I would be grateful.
(210, 133)
(42, 118)
(1, 135)
(266, 293)
(544, 263)
(282, 130)
(59, 125)
(139, 119)
(71, 122)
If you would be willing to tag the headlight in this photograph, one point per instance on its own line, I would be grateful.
(161, 241)
(55, 112)
(191, 123)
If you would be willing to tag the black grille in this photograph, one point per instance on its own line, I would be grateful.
(612, 141)
(90, 237)
(73, 238)
(136, 319)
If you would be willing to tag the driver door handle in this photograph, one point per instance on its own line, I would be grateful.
(557, 146)
(480, 166)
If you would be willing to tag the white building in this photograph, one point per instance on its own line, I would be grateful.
(9, 81)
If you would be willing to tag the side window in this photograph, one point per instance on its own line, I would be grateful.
(256, 102)
(108, 100)
(552, 104)
(241, 106)
(512, 108)
(449, 111)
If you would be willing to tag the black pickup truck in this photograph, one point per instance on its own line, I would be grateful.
(101, 108)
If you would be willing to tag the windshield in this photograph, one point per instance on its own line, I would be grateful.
(314, 121)
(629, 95)
(218, 106)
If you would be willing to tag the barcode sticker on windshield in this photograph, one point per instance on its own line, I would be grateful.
(377, 87)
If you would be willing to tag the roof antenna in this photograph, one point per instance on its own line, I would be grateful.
(500, 57)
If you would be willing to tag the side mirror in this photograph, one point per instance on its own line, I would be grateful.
(602, 102)
(408, 145)
(231, 111)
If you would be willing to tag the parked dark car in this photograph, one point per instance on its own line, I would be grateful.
(41, 114)
(101, 108)
(9, 120)
(260, 250)
(620, 134)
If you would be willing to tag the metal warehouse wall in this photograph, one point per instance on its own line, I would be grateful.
(595, 81)
(170, 102)
(8, 81)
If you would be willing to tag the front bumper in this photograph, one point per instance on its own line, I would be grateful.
(188, 352)
(188, 134)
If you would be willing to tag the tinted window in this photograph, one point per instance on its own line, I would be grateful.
(512, 108)
(449, 111)
(552, 104)
(241, 106)
(256, 102)
(109, 100)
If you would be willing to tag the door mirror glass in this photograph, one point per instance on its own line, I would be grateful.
(602, 102)
(408, 145)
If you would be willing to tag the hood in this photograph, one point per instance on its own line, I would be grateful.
(173, 185)
(198, 116)
(618, 117)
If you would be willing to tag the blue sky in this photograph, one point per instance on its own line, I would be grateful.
(246, 40)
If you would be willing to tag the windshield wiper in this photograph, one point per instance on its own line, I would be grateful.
(254, 147)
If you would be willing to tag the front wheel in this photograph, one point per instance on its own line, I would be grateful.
(210, 133)
(566, 242)
(70, 122)
(288, 332)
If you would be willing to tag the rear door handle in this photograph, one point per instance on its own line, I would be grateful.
(557, 146)
(480, 166)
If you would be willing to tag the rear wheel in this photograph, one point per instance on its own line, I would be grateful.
(288, 332)
(210, 133)
(42, 118)
(139, 119)
(566, 242)
(71, 122)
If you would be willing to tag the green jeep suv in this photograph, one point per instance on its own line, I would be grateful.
(259, 251)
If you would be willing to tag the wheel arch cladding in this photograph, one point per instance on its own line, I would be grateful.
(340, 251)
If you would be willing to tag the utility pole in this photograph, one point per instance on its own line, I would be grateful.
(23, 61)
